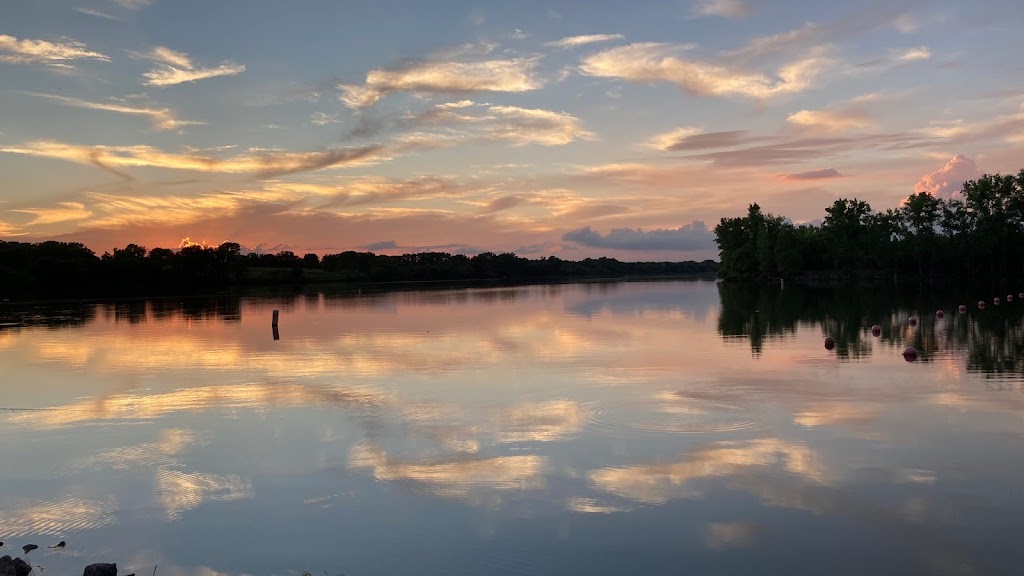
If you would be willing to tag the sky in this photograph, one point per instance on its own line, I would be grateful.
(573, 129)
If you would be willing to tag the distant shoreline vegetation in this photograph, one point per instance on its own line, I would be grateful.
(68, 269)
(976, 238)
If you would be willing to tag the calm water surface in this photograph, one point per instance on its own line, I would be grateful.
(623, 428)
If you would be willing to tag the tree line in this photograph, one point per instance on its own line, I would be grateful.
(978, 235)
(51, 268)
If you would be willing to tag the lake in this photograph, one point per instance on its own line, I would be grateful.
(658, 427)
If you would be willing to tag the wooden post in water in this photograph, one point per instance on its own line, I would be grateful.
(274, 321)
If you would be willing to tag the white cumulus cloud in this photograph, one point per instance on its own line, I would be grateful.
(948, 182)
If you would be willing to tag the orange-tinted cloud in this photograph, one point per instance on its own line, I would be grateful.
(514, 75)
(162, 118)
(53, 54)
(659, 62)
(177, 68)
(265, 164)
(947, 182)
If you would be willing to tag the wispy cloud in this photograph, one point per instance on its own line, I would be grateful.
(655, 62)
(911, 54)
(820, 174)
(162, 118)
(102, 211)
(323, 119)
(96, 13)
(457, 123)
(8, 229)
(515, 75)
(831, 120)
(812, 34)
(707, 140)
(63, 212)
(177, 68)
(797, 150)
(1006, 127)
(261, 164)
(665, 140)
(133, 4)
(723, 8)
(54, 54)
(574, 41)
(513, 124)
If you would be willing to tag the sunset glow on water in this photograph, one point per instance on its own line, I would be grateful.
(648, 427)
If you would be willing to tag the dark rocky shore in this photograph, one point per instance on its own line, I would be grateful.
(18, 567)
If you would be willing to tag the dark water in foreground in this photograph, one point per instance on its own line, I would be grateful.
(625, 428)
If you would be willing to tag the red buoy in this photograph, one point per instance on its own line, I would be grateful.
(939, 314)
(996, 300)
(830, 343)
(912, 320)
(981, 304)
(1021, 295)
(876, 330)
(910, 354)
(1009, 297)
(962, 309)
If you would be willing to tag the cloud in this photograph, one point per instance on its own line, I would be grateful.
(831, 120)
(53, 54)
(797, 150)
(948, 182)
(665, 140)
(712, 140)
(812, 35)
(1007, 127)
(723, 8)
(64, 212)
(502, 203)
(96, 13)
(106, 211)
(180, 491)
(692, 236)
(162, 118)
(820, 174)
(323, 119)
(466, 121)
(165, 55)
(460, 476)
(656, 62)
(911, 54)
(574, 41)
(659, 483)
(132, 4)
(723, 535)
(262, 164)
(384, 245)
(515, 75)
(177, 68)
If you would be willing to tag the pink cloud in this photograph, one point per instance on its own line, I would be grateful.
(948, 182)
(820, 174)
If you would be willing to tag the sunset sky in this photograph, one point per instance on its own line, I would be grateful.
(575, 129)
